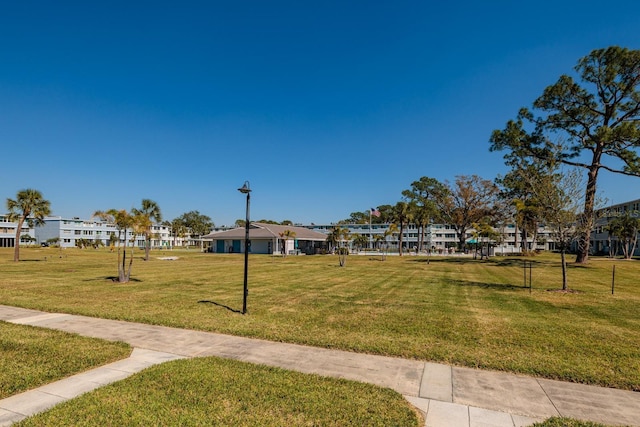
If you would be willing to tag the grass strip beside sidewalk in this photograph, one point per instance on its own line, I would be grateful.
(214, 391)
(31, 357)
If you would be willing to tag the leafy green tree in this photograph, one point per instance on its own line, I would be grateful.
(469, 200)
(399, 214)
(53, 241)
(519, 193)
(379, 240)
(147, 215)
(97, 243)
(360, 240)
(596, 125)
(113, 240)
(484, 234)
(197, 223)
(29, 206)
(335, 236)
(625, 228)
(357, 218)
(26, 238)
(178, 230)
(421, 197)
(83, 243)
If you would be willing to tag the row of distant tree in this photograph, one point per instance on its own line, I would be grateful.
(574, 127)
(590, 125)
(31, 207)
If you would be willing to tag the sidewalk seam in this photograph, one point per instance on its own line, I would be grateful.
(424, 368)
(548, 397)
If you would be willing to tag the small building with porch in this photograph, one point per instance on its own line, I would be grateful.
(268, 239)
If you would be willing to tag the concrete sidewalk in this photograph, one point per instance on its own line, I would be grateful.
(449, 396)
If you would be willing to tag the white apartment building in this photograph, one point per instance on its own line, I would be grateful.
(70, 230)
(600, 238)
(8, 232)
(440, 238)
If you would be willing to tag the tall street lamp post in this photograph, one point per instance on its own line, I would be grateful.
(246, 190)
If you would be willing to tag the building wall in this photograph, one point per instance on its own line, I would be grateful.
(70, 230)
(600, 239)
(8, 232)
(439, 237)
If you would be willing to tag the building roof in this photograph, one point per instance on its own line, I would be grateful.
(258, 230)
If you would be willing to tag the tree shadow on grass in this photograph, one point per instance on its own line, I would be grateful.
(444, 260)
(501, 286)
(451, 260)
(515, 262)
(113, 279)
(494, 261)
(220, 305)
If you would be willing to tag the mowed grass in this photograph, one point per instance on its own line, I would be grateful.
(451, 310)
(31, 357)
(212, 391)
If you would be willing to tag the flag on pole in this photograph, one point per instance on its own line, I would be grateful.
(375, 212)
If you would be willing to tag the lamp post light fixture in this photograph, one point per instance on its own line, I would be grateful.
(246, 190)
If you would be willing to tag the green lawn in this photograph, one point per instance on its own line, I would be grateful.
(458, 311)
(212, 391)
(31, 357)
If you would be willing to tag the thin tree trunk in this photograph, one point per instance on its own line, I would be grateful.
(147, 247)
(634, 243)
(119, 249)
(586, 220)
(534, 239)
(128, 276)
(564, 269)
(121, 268)
(525, 243)
(16, 246)
(400, 239)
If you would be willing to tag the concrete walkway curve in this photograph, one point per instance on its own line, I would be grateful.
(449, 396)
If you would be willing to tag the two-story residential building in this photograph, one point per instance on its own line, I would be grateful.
(440, 238)
(601, 240)
(70, 231)
(8, 232)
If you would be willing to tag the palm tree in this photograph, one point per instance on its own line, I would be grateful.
(360, 241)
(178, 230)
(149, 213)
(123, 221)
(401, 215)
(28, 206)
(337, 235)
(625, 228)
(421, 197)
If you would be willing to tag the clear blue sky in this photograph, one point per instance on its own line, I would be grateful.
(325, 107)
